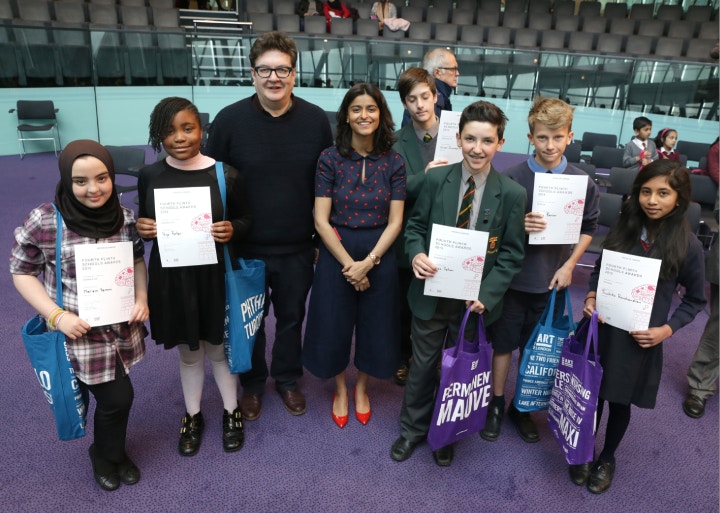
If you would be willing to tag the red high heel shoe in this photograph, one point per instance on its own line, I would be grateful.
(341, 421)
(364, 418)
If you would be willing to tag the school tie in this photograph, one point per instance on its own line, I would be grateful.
(427, 138)
(643, 154)
(463, 219)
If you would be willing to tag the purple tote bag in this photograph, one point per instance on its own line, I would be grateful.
(573, 403)
(465, 388)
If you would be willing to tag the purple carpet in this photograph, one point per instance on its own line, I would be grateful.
(666, 463)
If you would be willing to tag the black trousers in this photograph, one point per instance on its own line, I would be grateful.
(405, 277)
(112, 411)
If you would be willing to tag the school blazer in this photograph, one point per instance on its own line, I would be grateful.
(502, 206)
(407, 145)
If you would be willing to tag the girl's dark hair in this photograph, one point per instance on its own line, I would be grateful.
(661, 136)
(383, 138)
(162, 117)
(671, 232)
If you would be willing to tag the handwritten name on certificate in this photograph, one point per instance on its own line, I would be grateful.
(561, 198)
(105, 282)
(446, 146)
(184, 217)
(626, 289)
(459, 255)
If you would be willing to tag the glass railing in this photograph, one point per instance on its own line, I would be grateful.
(42, 56)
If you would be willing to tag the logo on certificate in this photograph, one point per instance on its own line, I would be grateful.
(575, 207)
(474, 264)
(125, 278)
(202, 223)
(644, 293)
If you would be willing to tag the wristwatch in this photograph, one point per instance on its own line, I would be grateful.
(374, 258)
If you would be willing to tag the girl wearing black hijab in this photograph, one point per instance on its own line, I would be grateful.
(101, 355)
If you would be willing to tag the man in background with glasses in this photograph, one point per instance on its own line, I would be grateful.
(441, 64)
(274, 139)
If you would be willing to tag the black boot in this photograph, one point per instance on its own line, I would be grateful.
(233, 436)
(191, 434)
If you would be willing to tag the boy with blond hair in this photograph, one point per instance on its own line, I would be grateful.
(545, 266)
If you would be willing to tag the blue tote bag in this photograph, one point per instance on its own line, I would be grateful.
(244, 301)
(536, 372)
(465, 388)
(48, 355)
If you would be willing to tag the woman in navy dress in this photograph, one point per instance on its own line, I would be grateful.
(359, 198)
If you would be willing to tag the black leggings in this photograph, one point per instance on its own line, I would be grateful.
(617, 424)
(112, 411)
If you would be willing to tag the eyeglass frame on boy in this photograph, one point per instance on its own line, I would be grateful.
(279, 71)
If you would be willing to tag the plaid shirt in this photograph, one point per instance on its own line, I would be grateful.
(93, 355)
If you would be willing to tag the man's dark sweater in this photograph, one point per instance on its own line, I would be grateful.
(277, 156)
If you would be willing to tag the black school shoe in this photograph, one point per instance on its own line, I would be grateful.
(579, 474)
(524, 424)
(105, 473)
(191, 434)
(401, 374)
(128, 472)
(694, 406)
(491, 431)
(601, 476)
(233, 433)
(444, 456)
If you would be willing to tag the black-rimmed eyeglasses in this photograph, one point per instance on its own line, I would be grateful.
(280, 71)
(452, 70)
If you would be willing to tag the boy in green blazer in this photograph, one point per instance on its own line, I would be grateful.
(498, 207)
(416, 142)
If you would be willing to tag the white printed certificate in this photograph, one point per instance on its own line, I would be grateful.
(459, 255)
(626, 289)
(184, 217)
(561, 198)
(446, 146)
(105, 282)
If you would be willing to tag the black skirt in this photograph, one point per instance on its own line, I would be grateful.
(187, 304)
(631, 374)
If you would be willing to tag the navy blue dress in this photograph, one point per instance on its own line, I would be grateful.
(359, 216)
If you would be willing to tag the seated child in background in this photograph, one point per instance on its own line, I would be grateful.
(641, 150)
(310, 8)
(665, 142)
(335, 9)
(385, 13)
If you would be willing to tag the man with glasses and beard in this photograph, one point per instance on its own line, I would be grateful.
(274, 138)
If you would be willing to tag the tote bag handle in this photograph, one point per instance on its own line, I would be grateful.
(480, 337)
(58, 255)
(592, 338)
(223, 194)
(548, 316)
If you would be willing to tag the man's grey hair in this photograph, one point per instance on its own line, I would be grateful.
(435, 58)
